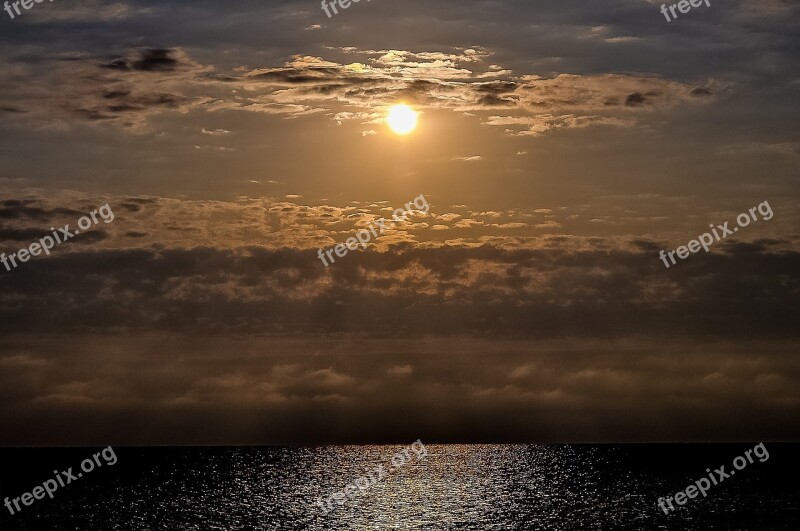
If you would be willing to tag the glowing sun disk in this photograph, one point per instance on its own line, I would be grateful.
(402, 119)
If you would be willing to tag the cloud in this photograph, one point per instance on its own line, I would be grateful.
(214, 148)
(178, 258)
(86, 11)
(215, 132)
(270, 390)
(787, 149)
(125, 91)
(516, 225)
(400, 370)
(768, 9)
(130, 90)
(538, 125)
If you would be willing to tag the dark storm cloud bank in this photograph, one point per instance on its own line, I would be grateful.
(152, 389)
(749, 290)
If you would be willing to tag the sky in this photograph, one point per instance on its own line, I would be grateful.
(561, 145)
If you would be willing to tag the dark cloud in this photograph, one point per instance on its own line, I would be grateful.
(647, 245)
(147, 60)
(19, 235)
(497, 87)
(156, 60)
(15, 209)
(171, 389)
(636, 99)
(90, 237)
(491, 100)
(701, 92)
(117, 64)
(124, 91)
(110, 94)
(747, 291)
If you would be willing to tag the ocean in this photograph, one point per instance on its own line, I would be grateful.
(453, 487)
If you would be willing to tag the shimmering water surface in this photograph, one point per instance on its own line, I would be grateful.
(475, 487)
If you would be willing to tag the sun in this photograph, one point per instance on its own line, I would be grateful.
(402, 119)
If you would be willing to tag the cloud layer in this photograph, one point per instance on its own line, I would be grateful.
(561, 145)
(127, 90)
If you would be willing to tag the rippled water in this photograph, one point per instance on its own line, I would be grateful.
(474, 487)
